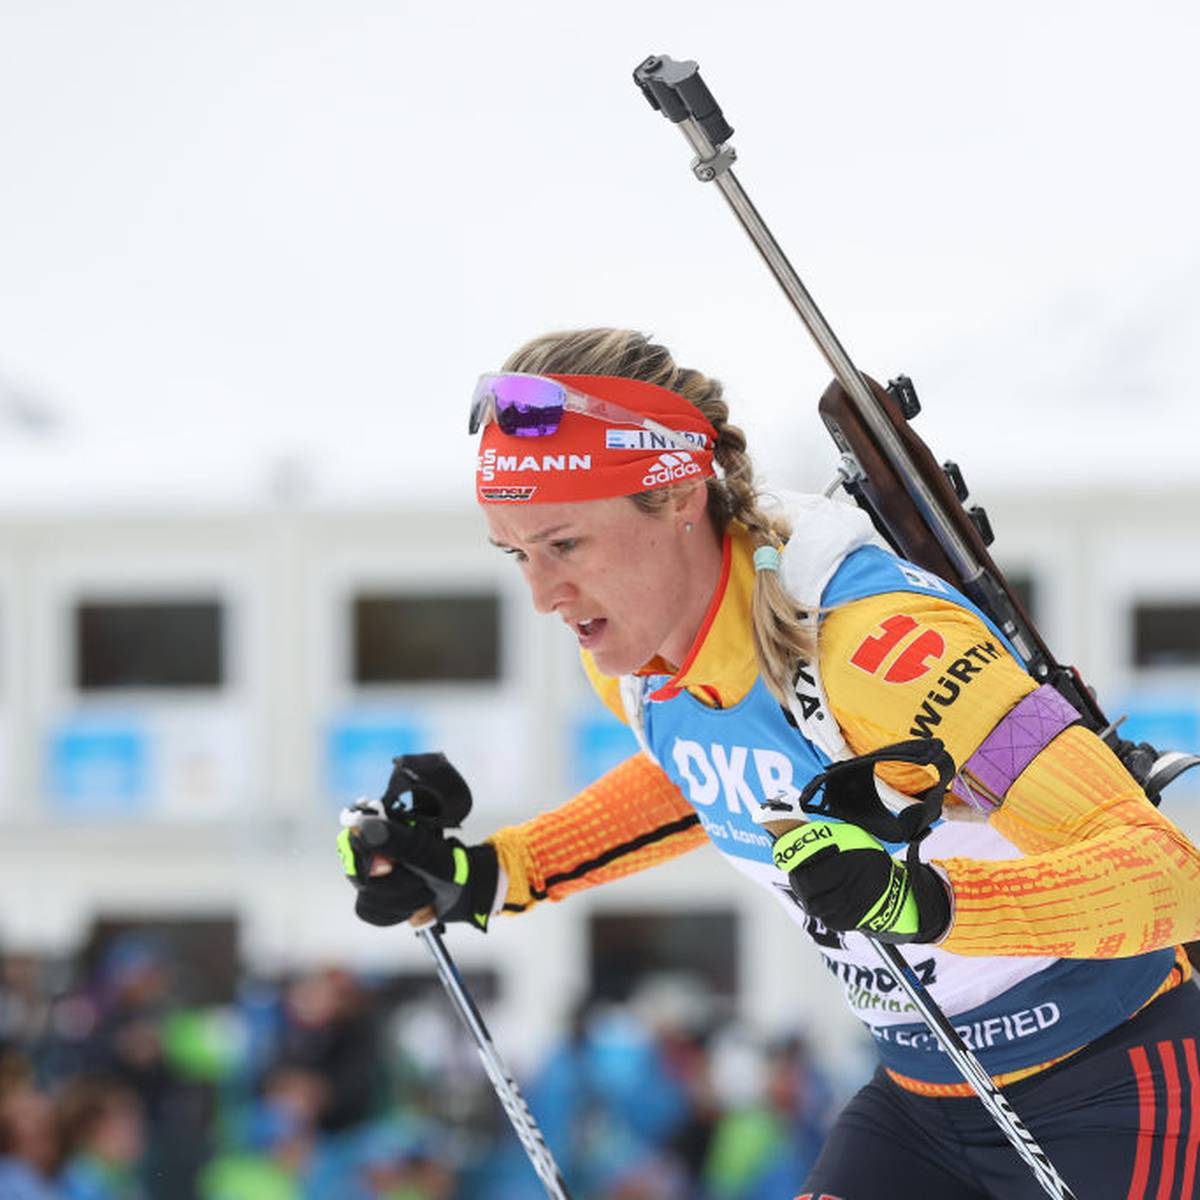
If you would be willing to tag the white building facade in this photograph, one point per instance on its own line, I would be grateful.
(187, 700)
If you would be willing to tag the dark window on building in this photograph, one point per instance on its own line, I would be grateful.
(625, 948)
(194, 957)
(152, 644)
(428, 638)
(1166, 635)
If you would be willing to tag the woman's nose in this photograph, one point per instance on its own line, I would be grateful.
(549, 588)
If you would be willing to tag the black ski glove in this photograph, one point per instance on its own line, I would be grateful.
(396, 853)
(847, 880)
(428, 869)
(842, 874)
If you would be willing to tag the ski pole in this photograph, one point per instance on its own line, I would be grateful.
(971, 1069)
(502, 1081)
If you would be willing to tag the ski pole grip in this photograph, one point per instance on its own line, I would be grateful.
(676, 90)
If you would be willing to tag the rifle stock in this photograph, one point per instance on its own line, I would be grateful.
(880, 489)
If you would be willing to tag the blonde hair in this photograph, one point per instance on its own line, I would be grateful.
(782, 639)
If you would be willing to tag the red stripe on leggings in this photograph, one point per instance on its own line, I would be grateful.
(1145, 1138)
(1166, 1055)
(1193, 1138)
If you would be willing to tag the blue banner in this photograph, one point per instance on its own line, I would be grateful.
(100, 767)
(359, 748)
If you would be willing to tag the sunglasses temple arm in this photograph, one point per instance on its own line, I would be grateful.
(675, 439)
(623, 416)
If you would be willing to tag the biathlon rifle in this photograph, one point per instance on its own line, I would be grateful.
(916, 504)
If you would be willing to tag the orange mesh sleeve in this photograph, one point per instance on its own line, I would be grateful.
(1107, 875)
(631, 818)
(1104, 874)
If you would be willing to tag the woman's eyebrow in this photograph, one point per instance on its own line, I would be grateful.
(547, 534)
(542, 536)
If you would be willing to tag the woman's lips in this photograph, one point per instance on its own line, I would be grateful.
(589, 632)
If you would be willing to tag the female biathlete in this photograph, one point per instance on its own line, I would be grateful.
(748, 649)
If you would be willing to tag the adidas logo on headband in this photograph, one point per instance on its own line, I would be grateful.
(678, 464)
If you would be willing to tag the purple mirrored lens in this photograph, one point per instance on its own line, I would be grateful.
(527, 406)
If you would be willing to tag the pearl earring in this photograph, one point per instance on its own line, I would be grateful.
(687, 527)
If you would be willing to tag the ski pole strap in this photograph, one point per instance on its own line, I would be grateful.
(426, 787)
(1021, 735)
(845, 791)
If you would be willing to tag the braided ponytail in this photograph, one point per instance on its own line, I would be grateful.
(781, 638)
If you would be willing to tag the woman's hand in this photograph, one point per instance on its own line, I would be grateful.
(380, 866)
(847, 880)
(409, 870)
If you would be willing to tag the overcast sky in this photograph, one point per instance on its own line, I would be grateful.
(244, 233)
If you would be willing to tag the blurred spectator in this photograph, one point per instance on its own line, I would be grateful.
(132, 991)
(29, 1149)
(778, 1110)
(103, 1140)
(608, 1107)
(277, 1152)
(434, 1071)
(329, 1032)
(24, 1005)
(402, 1160)
(684, 1017)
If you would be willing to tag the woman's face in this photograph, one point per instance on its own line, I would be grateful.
(629, 584)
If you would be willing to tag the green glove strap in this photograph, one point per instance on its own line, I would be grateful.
(467, 895)
(484, 858)
(345, 850)
(896, 912)
(800, 844)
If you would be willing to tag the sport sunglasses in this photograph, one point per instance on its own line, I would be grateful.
(532, 406)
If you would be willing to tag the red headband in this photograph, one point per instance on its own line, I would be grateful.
(590, 459)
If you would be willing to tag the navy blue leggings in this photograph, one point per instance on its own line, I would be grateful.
(1120, 1120)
